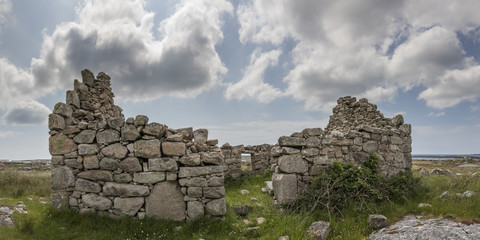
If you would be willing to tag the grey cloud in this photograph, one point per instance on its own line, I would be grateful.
(26, 113)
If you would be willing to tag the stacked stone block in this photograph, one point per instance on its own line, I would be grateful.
(115, 167)
(355, 130)
(260, 158)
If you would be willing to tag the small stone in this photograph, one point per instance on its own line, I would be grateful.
(56, 122)
(244, 191)
(260, 220)
(115, 122)
(468, 194)
(130, 164)
(444, 194)
(87, 149)
(253, 199)
(141, 120)
(376, 221)
(191, 160)
(216, 207)
(424, 205)
(155, 129)
(318, 230)
(200, 136)
(284, 238)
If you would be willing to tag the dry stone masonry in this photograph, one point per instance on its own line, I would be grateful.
(355, 130)
(260, 158)
(115, 167)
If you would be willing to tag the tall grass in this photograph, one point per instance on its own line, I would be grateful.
(20, 183)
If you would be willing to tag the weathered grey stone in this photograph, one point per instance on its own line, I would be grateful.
(216, 181)
(141, 120)
(116, 150)
(62, 178)
(96, 175)
(83, 185)
(198, 171)
(310, 152)
(186, 132)
(212, 142)
(87, 149)
(216, 207)
(56, 122)
(193, 182)
(59, 200)
(96, 201)
(370, 146)
(191, 160)
(72, 98)
(177, 137)
(173, 148)
(122, 178)
(195, 192)
(149, 177)
(115, 122)
(292, 164)
(243, 210)
(130, 164)
(313, 142)
(407, 128)
(147, 148)
(130, 133)
(87, 77)
(214, 192)
(61, 144)
(396, 140)
(125, 190)
(90, 162)
(376, 221)
(292, 141)
(318, 230)
(166, 202)
(155, 129)
(195, 210)
(73, 163)
(162, 164)
(200, 136)
(57, 160)
(285, 187)
(108, 136)
(397, 120)
(108, 163)
(85, 136)
(128, 206)
(269, 187)
(212, 158)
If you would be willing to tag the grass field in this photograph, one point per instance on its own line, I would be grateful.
(33, 188)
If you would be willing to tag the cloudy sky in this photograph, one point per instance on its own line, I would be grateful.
(249, 71)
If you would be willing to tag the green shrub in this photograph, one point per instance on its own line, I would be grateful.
(341, 184)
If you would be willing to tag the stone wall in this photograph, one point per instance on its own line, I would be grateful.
(112, 166)
(260, 158)
(355, 130)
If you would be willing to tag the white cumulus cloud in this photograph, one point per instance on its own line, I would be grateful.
(27, 112)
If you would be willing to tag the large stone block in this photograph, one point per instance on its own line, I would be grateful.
(285, 187)
(61, 144)
(62, 178)
(200, 136)
(83, 185)
(212, 158)
(96, 175)
(193, 182)
(59, 200)
(370, 146)
(128, 206)
(96, 201)
(72, 98)
(292, 164)
(149, 177)
(85, 136)
(166, 202)
(116, 150)
(214, 192)
(216, 207)
(130, 164)
(90, 162)
(193, 159)
(162, 164)
(63, 109)
(56, 122)
(292, 141)
(173, 148)
(108, 136)
(198, 171)
(155, 129)
(115, 122)
(195, 210)
(108, 163)
(318, 230)
(125, 190)
(87, 149)
(147, 148)
(130, 133)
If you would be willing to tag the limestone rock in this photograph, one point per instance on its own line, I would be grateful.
(147, 148)
(96, 175)
(376, 221)
(285, 187)
(216, 207)
(193, 182)
(125, 190)
(130, 133)
(397, 120)
(198, 171)
(128, 206)
(87, 77)
(72, 98)
(59, 200)
(122, 178)
(162, 164)
(141, 120)
(108, 136)
(90, 162)
(108, 163)
(195, 210)
(62, 178)
(155, 129)
(212, 158)
(116, 150)
(148, 177)
(200, 136)
(191, 160)
(96, 201)
(61, 144)
(115, 122)
(173, 148)
(87, 149)
(166, 202)
(269, 187)
(83, 185)
(318, 230)
(130, 164)
(63, 109)
(56, 122)
(292, 164)
(85, 136)
(292, 141)
(214, 192)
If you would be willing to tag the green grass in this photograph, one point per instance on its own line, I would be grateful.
(43, 223)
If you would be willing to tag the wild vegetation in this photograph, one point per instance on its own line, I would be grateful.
(348, 216)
